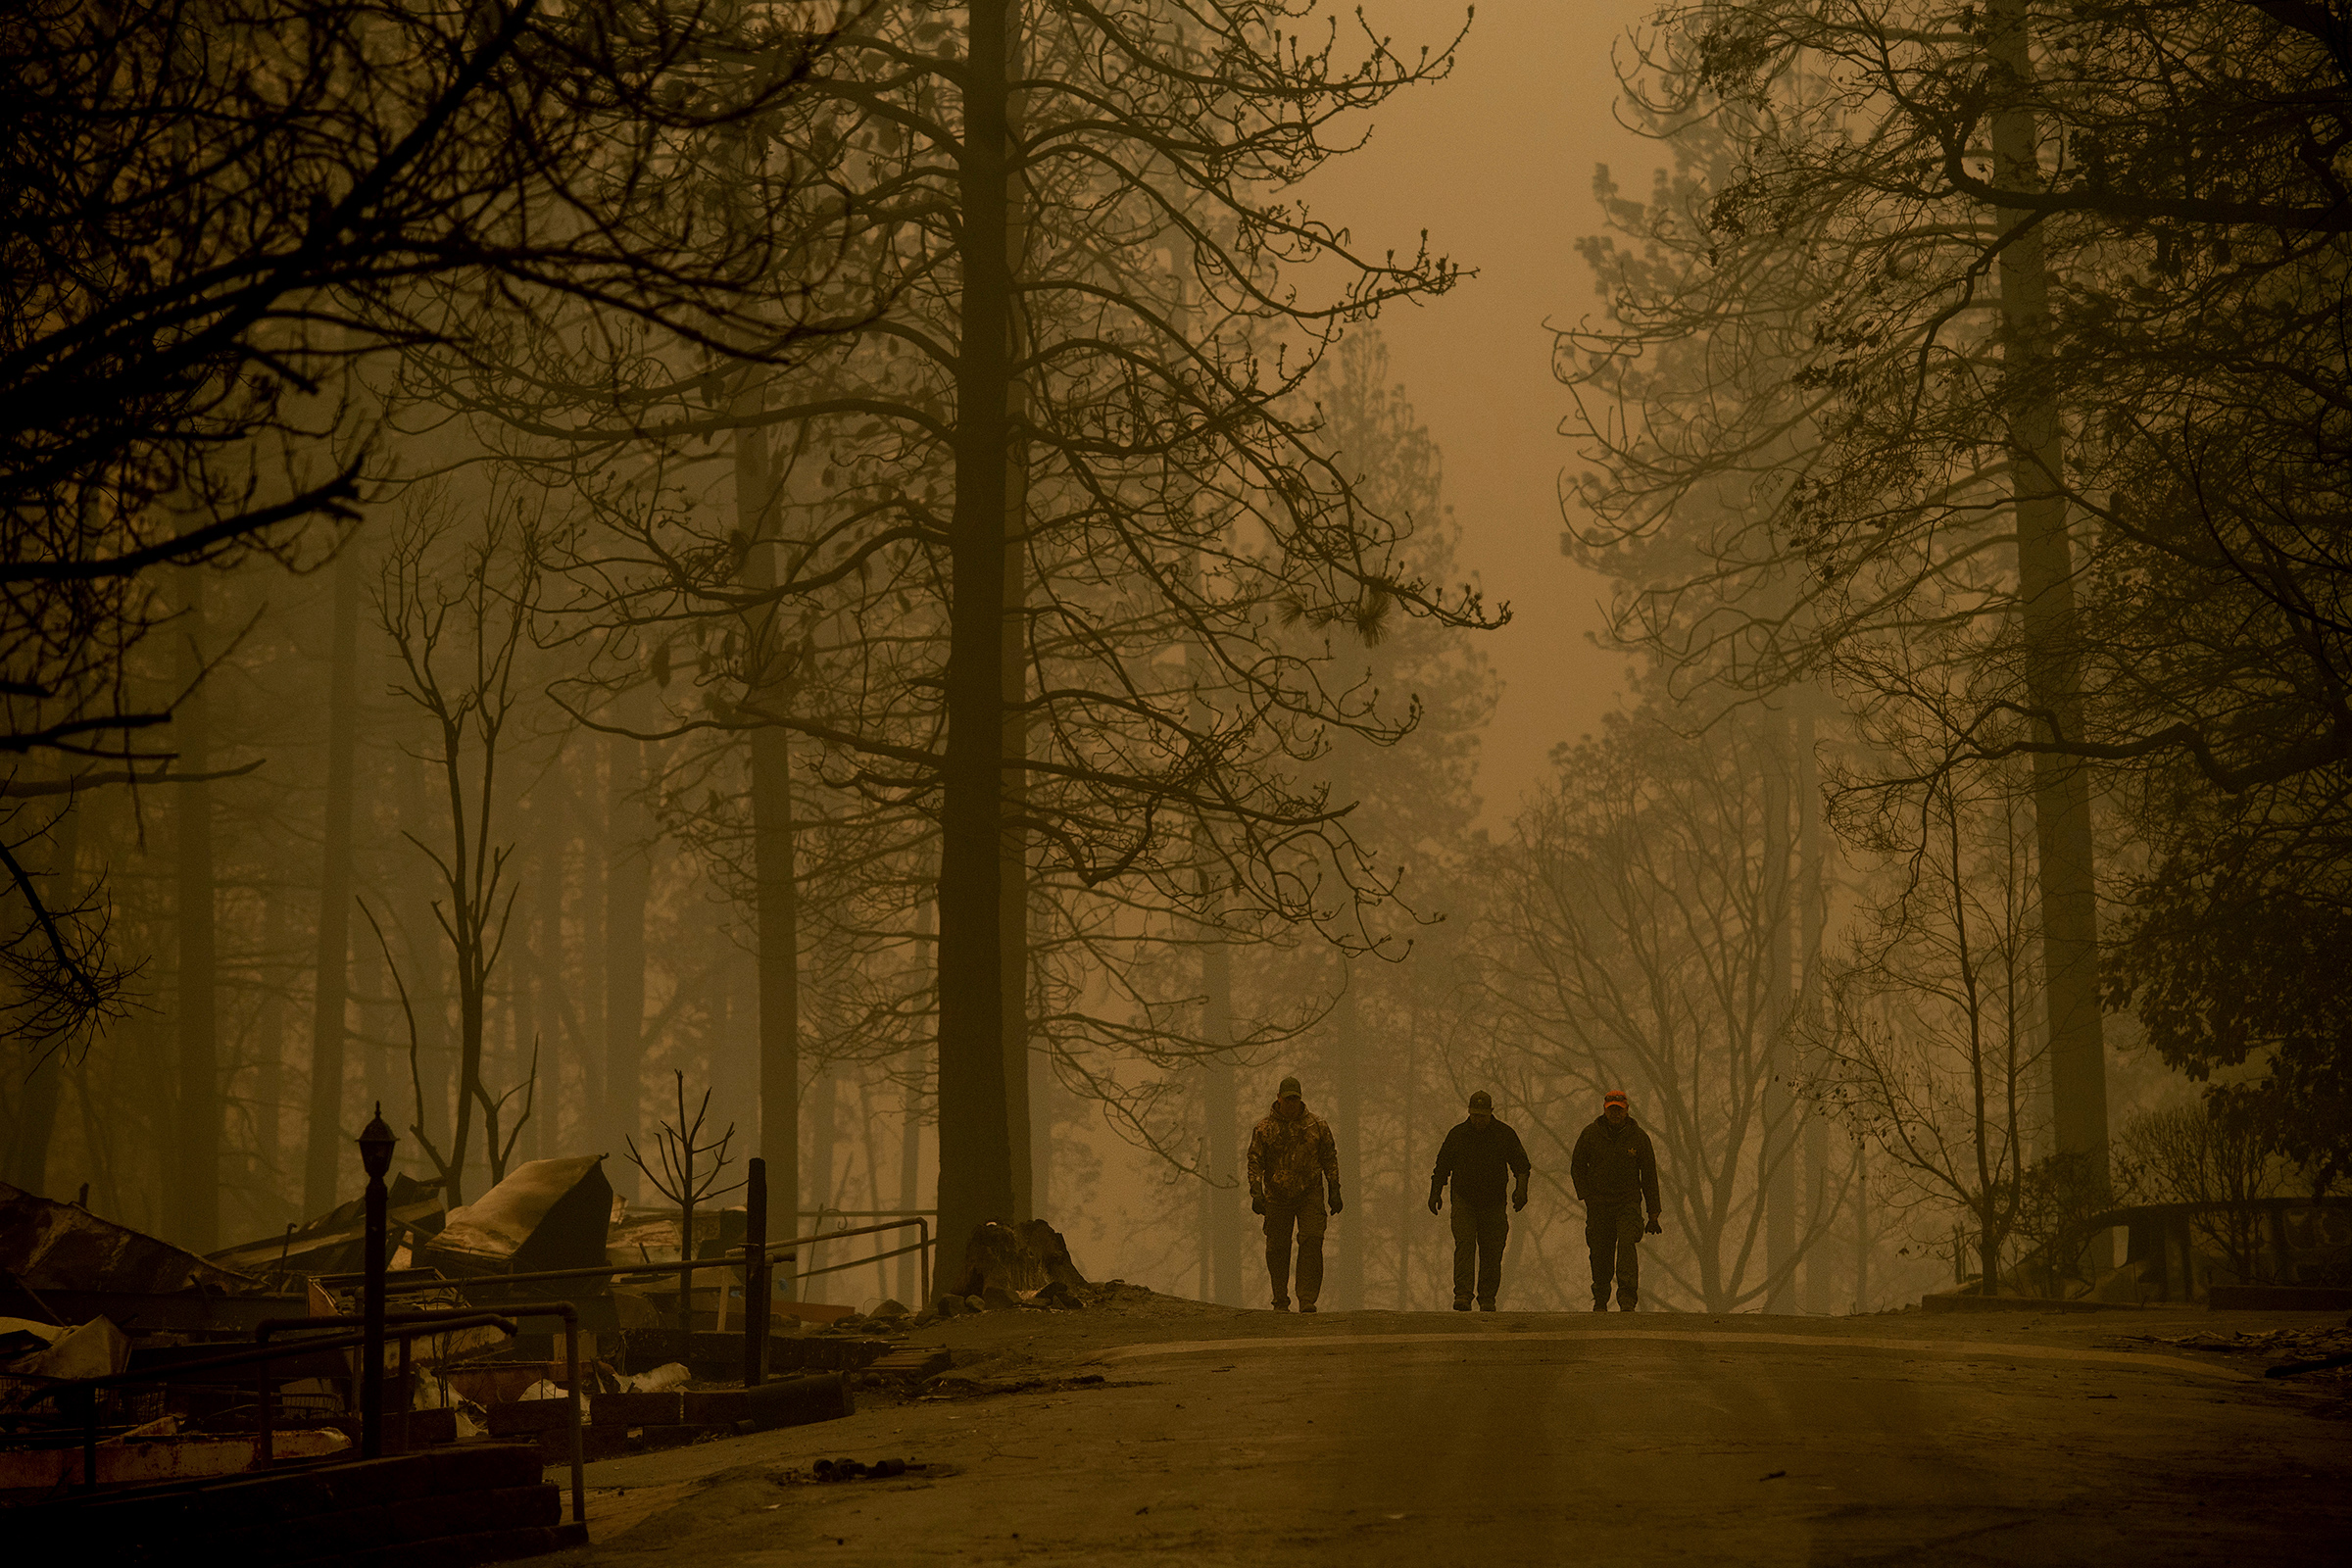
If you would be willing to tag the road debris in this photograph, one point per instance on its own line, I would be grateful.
(2299, 1351)
(826, 1472)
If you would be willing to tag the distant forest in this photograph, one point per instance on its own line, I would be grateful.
(868, 557)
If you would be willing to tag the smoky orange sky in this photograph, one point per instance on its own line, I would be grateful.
(1496, 163)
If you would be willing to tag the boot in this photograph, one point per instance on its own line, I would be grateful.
(1601, 1303)
(1282, 1303)
(1306, 1306)
(1486, 1303)
(1625, 1304)
(1462, 1304)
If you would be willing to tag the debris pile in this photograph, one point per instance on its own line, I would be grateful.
(53, 1246)
(547, 1214)
(189, 1397)
(335, 1241)
(2320, 1352)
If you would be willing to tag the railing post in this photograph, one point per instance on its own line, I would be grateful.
(376, 1154)
(755, 1274)
(89, 1438)
(404, 1383)
(571, 1377)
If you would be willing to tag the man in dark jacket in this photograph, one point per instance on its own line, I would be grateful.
(1616, 1173)
(1476, 1155)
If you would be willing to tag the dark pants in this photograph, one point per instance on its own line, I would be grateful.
(1479, 1233)
(1308, 1214)
(1613, 1233)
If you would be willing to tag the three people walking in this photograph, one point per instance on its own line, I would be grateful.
(1478, 1154)
(1294, 1186)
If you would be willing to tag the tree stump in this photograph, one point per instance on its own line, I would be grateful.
(1023, 1262)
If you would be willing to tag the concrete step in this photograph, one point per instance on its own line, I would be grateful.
(911, 1363)
(463, 1503)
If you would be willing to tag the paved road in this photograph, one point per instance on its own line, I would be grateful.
(1540, 1440)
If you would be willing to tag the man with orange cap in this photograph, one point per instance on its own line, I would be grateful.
(1616, 1172)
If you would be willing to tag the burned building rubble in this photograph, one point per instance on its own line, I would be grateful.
(386, 1330)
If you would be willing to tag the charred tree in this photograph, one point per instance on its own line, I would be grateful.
(976, 1181)
(2046, 567)
(1776, 1171)
(198, 1114)
(628, 872)
(324, 1150)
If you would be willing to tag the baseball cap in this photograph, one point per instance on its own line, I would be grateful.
(1615, 1097)
(1482, 1101)
(1290, 1086)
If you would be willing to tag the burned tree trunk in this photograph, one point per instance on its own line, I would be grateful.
(1780, 1105)
(1005, 1265)
(197, 1178)
(2046, 604)
(774, 852)
(975, 1154)
(324, 1152)
(1812, 914)
(628, 875)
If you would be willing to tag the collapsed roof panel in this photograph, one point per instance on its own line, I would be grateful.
(64, 1246)
(548, 1213)
(334, 1242)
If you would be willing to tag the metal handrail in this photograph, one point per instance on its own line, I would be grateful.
(86, 1390)
(923, 1244)
(734, 1258)
(878, 1257)
(445, 1318)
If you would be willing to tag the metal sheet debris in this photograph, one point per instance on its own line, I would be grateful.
(549, 1213)
(63, 1247)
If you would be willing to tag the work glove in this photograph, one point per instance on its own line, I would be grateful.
(1257, 1202)
(1335, 1205)
(1436, 1204)
(1518, 1200)
(1653, 1227)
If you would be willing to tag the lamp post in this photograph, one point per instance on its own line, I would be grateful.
(375, 1156)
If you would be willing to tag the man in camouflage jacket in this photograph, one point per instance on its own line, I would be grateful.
(1293, 1164)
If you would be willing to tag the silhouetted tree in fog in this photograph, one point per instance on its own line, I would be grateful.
(1634, 927)
(2072, 280)
(1037, 480)
(459, 611)
(215, 211)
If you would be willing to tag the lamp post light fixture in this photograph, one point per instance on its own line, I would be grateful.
(375, 1157)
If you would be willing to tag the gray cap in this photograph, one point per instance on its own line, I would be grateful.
(1482, 1101)
(1290, 1086)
